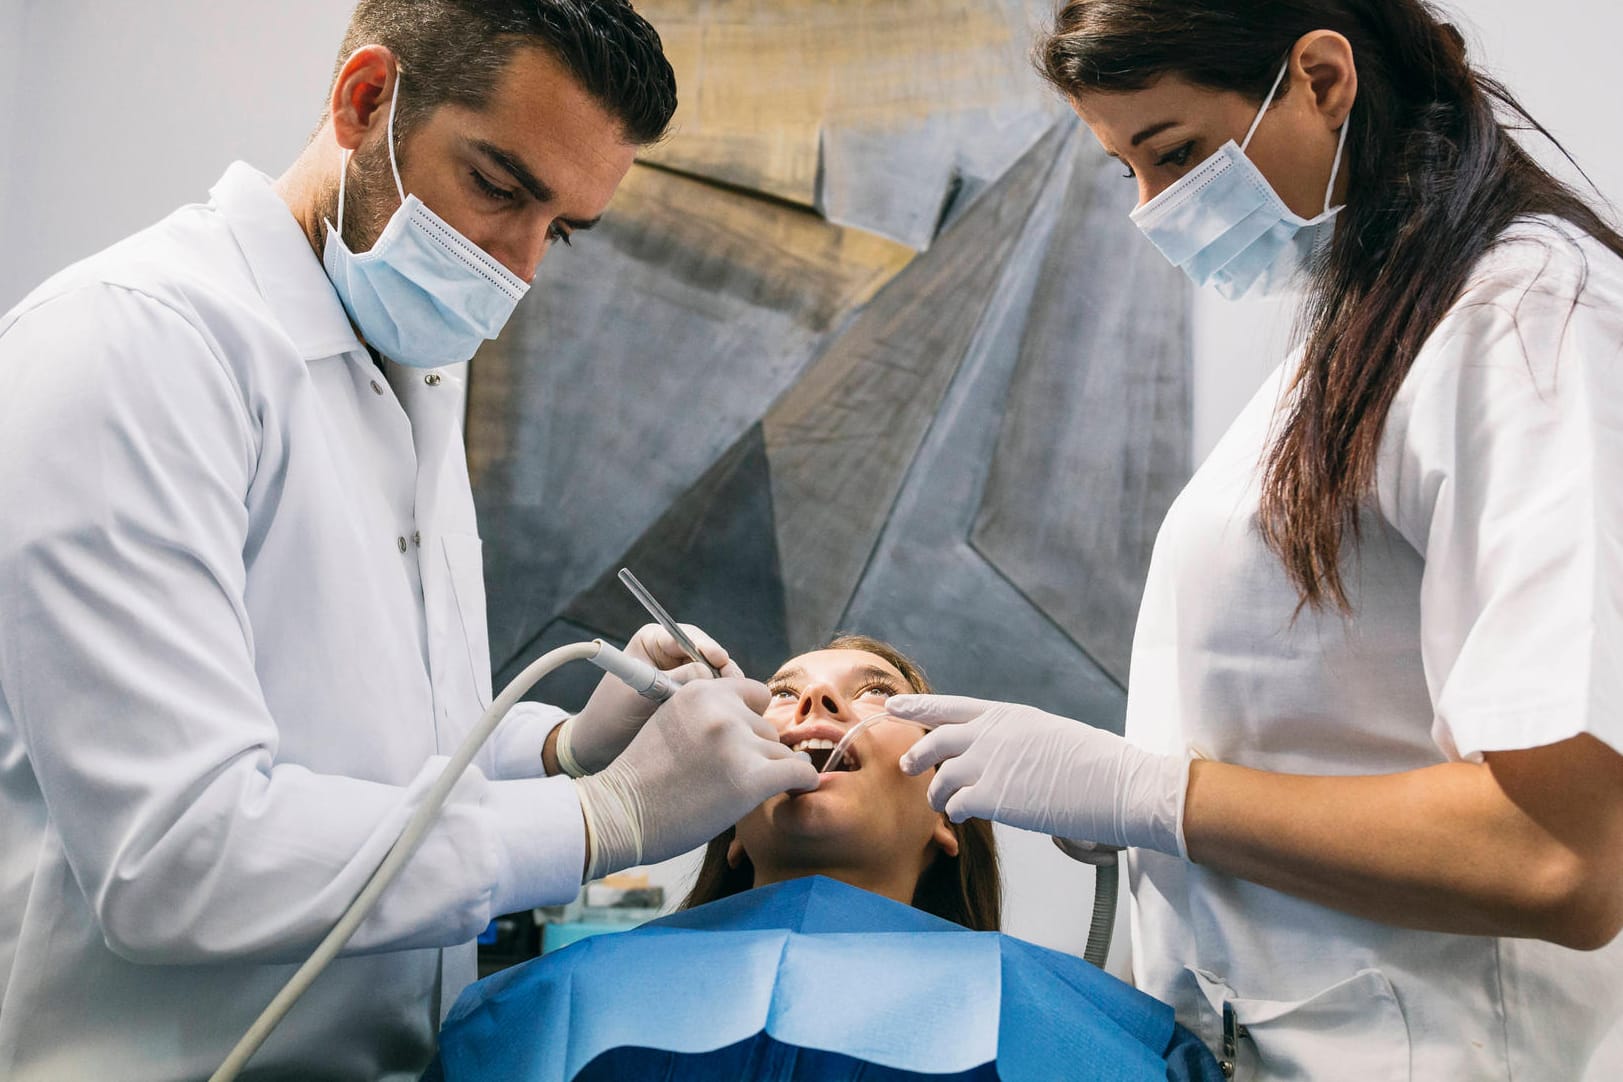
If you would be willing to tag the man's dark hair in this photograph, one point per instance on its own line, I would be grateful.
(454, 51)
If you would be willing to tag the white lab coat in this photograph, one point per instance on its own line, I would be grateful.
(241, 625)
(1489, 616)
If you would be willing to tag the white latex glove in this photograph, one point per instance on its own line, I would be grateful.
(1029, 769)
(614, 714)
(704, 759)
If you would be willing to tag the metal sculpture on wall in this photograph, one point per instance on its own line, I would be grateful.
(869, 344)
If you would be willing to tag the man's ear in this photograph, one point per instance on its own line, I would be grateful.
(361, 95)
(945, 838)
(735, 853)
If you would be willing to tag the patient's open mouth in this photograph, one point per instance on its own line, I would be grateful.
(819, 751)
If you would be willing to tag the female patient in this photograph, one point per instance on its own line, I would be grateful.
(866, 824)
(607, 1007)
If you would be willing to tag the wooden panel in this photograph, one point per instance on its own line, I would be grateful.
(865, 111)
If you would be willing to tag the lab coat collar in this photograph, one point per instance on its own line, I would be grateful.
(288, 274)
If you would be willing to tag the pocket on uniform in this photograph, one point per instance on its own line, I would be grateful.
(464, 559)
(1353, 1029)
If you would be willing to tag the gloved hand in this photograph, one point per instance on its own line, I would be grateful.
(704, 759)
(1021, 766)
(614, 714)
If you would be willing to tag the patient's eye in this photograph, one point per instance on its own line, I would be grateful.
(880, 688)
(781, 692)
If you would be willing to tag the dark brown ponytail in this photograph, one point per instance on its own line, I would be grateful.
(1435, 177)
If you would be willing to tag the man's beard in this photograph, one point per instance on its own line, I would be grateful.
(370, 198)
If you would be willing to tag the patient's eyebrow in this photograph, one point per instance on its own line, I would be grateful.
(784, 676)
(875, 673)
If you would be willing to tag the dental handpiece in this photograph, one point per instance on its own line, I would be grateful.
(657, 611)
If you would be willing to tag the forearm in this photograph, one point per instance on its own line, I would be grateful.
(1444, 848)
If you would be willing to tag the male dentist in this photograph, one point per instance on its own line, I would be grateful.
(242, 614)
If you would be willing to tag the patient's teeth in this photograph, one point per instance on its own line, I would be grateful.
(814, 745)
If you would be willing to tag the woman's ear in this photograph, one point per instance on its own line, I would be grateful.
(945, 838)
(1325, 59)
(735, 853)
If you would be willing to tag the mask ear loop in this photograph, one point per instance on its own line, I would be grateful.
(343, 174)
(1335, 169)
(394, 99)
(343, 169)
(1269, 100)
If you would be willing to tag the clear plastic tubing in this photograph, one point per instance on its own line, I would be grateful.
(862, 726)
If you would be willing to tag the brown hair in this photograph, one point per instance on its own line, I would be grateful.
(1436, 177)
(965, 889)
(455, 50)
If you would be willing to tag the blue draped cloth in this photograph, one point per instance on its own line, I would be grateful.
(811, 979)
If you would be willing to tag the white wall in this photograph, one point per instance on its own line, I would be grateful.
(11, 52)
(125, 111)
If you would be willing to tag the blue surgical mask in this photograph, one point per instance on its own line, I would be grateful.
(424, 295)
(1224, 224)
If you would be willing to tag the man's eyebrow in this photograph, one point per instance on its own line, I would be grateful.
(539, 189)
(1152, 130)
(785, 675)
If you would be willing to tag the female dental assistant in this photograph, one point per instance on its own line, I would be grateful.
(1371, 787)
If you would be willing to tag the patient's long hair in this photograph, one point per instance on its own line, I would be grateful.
(965, 889)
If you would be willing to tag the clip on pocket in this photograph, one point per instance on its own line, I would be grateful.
(1232, 1032)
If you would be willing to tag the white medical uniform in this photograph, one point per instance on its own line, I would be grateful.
(242, 623)
(1488, 596)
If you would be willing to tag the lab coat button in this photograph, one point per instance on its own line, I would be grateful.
(432, 379)
(376, 388)
(401, 542)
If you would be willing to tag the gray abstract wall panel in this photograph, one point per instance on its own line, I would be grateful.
(1099, 412)
(634, 363)
(841, 440)
(793, 412)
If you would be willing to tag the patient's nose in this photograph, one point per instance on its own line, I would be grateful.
(825, 700)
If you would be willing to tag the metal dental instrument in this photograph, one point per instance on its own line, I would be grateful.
(657, 611)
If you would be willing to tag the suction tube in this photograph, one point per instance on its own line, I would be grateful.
(643, 678)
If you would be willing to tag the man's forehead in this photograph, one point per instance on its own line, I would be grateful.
(541, 119)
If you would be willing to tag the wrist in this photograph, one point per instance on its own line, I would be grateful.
(613, 827)
(563, 750)
(1154, 794)
(549, 751)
